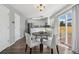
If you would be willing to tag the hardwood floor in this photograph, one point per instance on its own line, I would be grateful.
(19, 48)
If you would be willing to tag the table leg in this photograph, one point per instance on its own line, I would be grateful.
(41, 48)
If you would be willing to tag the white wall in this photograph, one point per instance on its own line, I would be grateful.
(4, 27)
(12, 25)
(11, 13)
(75, 29)
(22, 18)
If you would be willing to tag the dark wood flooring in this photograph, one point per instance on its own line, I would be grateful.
(19, 48)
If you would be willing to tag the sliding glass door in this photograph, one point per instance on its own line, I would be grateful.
(66, 28)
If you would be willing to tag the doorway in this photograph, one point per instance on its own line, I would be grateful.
(17, 27)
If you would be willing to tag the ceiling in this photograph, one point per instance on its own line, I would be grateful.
(30, 10)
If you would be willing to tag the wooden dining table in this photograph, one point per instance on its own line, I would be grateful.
(43, 35)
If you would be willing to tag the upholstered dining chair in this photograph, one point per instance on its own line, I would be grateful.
(51, 43)
(30, 42)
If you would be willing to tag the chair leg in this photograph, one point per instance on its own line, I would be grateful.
(51, 51)
(47, 47)
(26, 48)
(41, 48)
(57, 49)
(30, 50)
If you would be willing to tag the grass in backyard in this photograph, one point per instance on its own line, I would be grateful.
(63, 29)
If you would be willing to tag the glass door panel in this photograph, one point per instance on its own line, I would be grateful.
(69, 29)
(62, 20)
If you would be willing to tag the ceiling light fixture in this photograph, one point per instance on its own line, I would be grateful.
(41, 7)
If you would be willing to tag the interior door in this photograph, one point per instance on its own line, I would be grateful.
(4, 27)
(17, 27)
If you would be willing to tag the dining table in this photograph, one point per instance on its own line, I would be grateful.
(43, 36)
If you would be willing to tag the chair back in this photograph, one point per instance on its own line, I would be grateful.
(53, 42)
(28, 39)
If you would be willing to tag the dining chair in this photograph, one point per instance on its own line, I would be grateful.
(30, 42)
(51, 43)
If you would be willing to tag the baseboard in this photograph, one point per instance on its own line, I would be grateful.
(75, 52)
(1, 49)
(11, 44)
(14, 42)
(62, 45)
